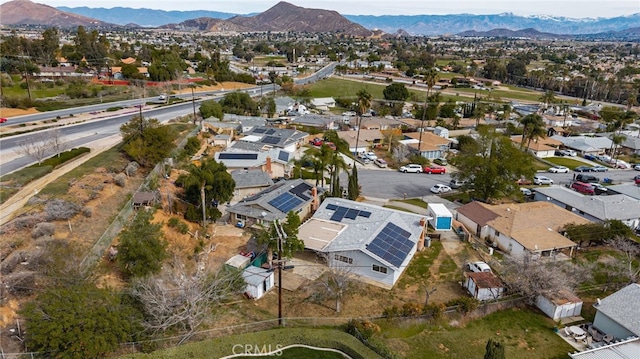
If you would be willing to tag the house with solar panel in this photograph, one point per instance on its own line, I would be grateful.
(377, 243)
(262, 138)
(274, 203)
(275, 162)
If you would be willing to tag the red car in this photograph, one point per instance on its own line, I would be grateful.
(435, 170)
(331, 145)
(3, 119)
(316, 142)
(636, 179)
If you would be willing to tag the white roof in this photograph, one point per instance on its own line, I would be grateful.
(624, 350)
(439, 210)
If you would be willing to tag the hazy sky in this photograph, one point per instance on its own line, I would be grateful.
(569, 8)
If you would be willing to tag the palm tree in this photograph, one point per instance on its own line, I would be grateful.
(200, 176)
(533, 128)
(549, 98)
(364, 103)
(430, 79)
(616, 141)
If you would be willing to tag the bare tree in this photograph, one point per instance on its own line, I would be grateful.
(36, 148)
(58, 145)
(631, 251)
(179, 298)
(336, 284)
(400, 153)
(530, 276)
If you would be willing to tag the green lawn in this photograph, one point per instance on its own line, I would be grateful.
(219, 347)
(414, 201)
(525, 334)
(418, 269)
(515, 93)
(565, 161)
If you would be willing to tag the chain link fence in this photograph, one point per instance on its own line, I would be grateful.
(101, 245)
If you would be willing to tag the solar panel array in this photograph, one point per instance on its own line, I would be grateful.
(283, 156)
(300, 189)
(238, 156)
(392, 244)
(272, 140)
(270, 131)
(285, 202)
(345, 212)
(259, 130)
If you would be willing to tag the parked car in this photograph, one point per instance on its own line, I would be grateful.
(526, 192)
(599, 168)
(331, 145)
(540, 180)
(411, 168)
(435, 170)
(622, 165)
(584, 188)
(636, 179)
(371, 156)
(571, 153)
(558, 153)
(316, 142)
(440, 188)
(587, 178)
(583, 169)
(589, 156)
(455, 184)
(636, 167)
(479, 267)
(3, 119)
(440, 161)
(599, 189)
(558, 169)
(523, 181)
(380, 162)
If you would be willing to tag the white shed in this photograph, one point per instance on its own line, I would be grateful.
(441, 131)
(259, 281)
(484, 285)
(560, 305)
(440, 217)
(239, 261)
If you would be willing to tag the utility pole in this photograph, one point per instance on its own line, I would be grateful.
(193, 102)
(281, 234)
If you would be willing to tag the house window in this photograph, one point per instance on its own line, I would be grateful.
(497, 234)
(381, 269)
(343, 259)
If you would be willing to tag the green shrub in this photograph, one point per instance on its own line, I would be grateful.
(435, 311)
(412, 309)
(391, 312)
(65, 156)
(464, 304)
(178, 225)
(115, 108)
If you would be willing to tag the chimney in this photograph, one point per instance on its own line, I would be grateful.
(315, 203)
(268, 166)
(423, 224)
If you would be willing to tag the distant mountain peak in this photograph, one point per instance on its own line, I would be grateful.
(26, 12)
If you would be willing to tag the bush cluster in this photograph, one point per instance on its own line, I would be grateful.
(178, 225)
(464, 304)
(64, 157)
(414, 310)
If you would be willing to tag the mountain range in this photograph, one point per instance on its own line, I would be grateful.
(287, 17)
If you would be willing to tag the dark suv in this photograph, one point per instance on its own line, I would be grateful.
(587, 178)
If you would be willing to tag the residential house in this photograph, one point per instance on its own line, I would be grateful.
(323, 103)
(264, 138)
(625, 349)
(631, 143)
(249, 182)
(584, 144)
(541, 147)
(562, 304)
(441, 131)
(484, 285)
(593, 208)
(321, 122)
(143, 199)
(511, 228)
(274, 203)
(628, 189)
(431, 147)
(378, 123)
(619, 313)
(275, 162)
(221, 140)
(244, 124)
(375, 243)
(367, 139)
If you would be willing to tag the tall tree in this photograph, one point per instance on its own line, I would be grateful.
(364, 103)
(533, 128)
(270, 235)
(146, 140)
(206, 183)
(353, 188)
(492, 164)
(142, 246)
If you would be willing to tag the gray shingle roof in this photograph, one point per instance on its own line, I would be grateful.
(275, 137)
(583, 143)
(251, 178)
(623, 307)
(254, 275)
(276, 155)
(616, 206)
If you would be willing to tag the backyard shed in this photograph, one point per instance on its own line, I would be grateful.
(259, 281)
(484, 285)
(143, 199)
(239, 261)
(440, 216)
(560, 305)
